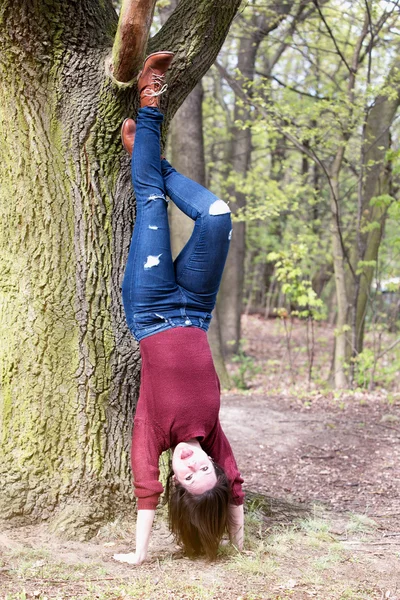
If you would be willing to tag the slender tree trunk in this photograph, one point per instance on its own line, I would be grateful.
(230, 302)
(69, 367)
(341, 344)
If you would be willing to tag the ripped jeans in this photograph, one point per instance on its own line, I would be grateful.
(159, 293)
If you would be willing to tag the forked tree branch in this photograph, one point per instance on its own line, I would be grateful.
(131, 38)
(195, 32)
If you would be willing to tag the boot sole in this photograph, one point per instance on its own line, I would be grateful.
(122, 139)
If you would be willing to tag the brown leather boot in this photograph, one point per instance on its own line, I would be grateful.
(151, 79)
(128, 131)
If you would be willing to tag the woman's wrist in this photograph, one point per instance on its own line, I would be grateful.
(144, 523)
(236, 525)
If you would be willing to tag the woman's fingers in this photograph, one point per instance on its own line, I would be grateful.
(131, 559)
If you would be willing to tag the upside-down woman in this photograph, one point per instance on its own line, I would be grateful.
(168, 308)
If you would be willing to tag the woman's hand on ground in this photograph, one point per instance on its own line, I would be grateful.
(143, 529)
(132, 558)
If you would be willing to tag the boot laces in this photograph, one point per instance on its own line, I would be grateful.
(158, 82)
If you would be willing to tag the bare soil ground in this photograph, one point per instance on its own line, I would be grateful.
(329, 528)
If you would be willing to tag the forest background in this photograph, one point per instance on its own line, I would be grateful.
(295, 125)
(301, 131)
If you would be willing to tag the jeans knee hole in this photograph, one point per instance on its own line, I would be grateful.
(219, 207)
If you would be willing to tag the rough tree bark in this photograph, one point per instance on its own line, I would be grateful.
(69, 367)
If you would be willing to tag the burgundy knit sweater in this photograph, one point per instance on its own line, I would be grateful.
(179, 400)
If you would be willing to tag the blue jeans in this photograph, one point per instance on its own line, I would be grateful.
(159, 293)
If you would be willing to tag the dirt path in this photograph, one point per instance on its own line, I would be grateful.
(345, 455)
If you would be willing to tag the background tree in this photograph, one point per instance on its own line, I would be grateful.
(69, 367)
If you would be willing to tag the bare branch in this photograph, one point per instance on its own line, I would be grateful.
(370, 45)
(239, 91)
(131, 38)
(330, 32)
(377, 28)
(393, 345)
(289, 87)
(301, 16)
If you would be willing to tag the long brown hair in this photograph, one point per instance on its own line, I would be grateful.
(198, 521)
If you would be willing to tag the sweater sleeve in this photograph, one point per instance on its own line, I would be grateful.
(145, 454)
(220, 450)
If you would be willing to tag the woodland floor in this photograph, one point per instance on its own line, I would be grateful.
(329, 528)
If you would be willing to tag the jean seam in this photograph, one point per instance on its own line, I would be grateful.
(198, 218)
(201, 222)
(184, 201)
(139, 337)
(135, 251)
(183, 297)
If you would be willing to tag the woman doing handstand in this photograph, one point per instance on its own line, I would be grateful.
(168, 308)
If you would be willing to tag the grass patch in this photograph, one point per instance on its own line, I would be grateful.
(360, 524)
(258, 562)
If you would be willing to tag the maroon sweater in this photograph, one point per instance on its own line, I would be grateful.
(179, 400)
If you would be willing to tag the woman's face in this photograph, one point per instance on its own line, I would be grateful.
(193, 468)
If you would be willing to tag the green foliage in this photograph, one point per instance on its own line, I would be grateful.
(365, 264)
(393, 157)
(246, 368)
(382, 200)
(265, 197)
(297, 289)
(364, 362)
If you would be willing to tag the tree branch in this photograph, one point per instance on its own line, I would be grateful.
(393, 345)
(301, 16)
(131, 38)
(239, 91)
(291, 88)
(377, 28)
(330, 32)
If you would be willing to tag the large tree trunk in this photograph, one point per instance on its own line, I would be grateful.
(377, 184)
(69, 367)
